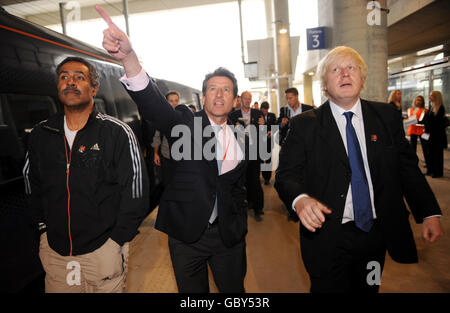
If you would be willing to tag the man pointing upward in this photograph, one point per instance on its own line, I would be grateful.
(203, 208)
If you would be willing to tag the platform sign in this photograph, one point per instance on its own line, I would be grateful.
(251, 70)
(315, 38)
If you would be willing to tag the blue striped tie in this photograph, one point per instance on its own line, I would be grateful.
(362, 207)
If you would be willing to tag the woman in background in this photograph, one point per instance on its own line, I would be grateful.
(395, 98)
(434, 126)
(416, 130)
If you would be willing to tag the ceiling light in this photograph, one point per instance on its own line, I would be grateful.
(426, 51)
(395, 60)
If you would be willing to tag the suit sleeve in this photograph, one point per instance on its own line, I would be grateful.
(416, 189)
(133, 180)
(282, 114)
(154, 108)
(291, 171)
(233, 116)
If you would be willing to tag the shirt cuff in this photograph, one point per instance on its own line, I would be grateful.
(298, 198)
(432, 216)
(136, 83)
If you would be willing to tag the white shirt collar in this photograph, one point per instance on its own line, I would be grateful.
(338, 111)
(214, 124)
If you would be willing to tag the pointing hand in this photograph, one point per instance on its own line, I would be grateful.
(115, 41)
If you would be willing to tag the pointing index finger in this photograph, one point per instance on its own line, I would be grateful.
(104, 15)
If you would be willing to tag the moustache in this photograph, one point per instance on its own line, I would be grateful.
(76, 91)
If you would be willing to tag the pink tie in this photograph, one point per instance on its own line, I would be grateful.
(229, 158)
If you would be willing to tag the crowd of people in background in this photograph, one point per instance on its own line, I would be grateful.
(427, 124)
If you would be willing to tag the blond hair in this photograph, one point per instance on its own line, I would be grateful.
(340, 53)
(391, 95)
(438, 101)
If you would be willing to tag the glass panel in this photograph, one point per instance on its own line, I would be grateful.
(27, 111)
(441, 82)
(413, 85)
(100, 105)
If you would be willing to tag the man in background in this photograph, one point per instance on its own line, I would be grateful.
(270, 120)
(247, 116)
(293, 108)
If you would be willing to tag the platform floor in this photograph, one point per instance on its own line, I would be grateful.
(273, 253)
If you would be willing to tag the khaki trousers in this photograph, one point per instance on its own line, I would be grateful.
(103, 270)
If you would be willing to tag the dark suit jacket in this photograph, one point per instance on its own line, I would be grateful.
(270, 120)
(285, 112)
(313, 160)
(254, 117)
(435, 126)
(187, 202)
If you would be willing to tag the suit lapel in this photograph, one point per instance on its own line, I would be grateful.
(372, 131)
(330, 133)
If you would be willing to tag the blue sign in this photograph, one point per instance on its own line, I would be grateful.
(315, 38)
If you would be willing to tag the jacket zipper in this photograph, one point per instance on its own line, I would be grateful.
(68, 159)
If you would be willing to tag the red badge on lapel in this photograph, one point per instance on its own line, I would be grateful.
(373, 138)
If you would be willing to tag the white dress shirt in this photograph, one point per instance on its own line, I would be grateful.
(229, 145)
(293, 113)
(136, 83)
(358, 125)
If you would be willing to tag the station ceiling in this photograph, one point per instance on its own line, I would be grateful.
(422, 29)
(427, 27)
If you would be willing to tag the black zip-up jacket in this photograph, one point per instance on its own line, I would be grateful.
(94, 191)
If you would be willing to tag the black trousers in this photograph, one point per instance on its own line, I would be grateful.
(425, 149)
(266, 175)
(228, 265)
(356, 250)
(255, 194)
(436, 160)
(167, 168)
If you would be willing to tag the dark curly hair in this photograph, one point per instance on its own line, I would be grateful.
(93, 74)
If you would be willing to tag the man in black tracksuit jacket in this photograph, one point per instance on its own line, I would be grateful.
(89, 196)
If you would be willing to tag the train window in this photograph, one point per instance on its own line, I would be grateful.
(28, 110)
(100, 105)
(11, 150)
(196, 100)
